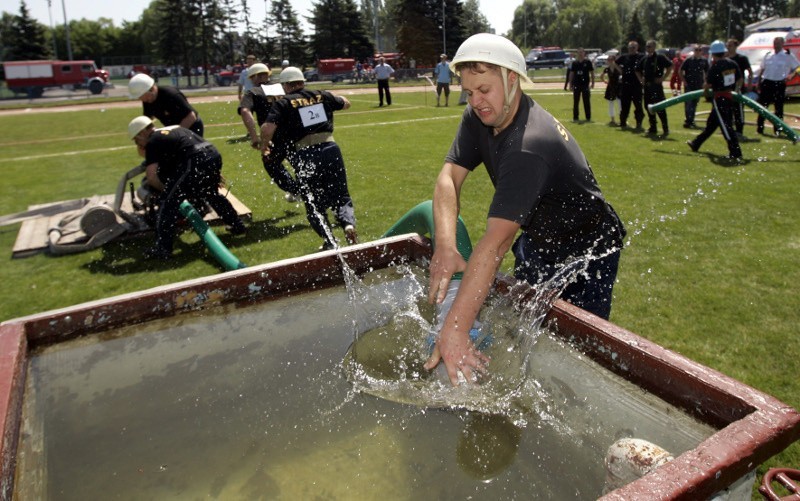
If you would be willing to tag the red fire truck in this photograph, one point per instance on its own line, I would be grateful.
(33, 77)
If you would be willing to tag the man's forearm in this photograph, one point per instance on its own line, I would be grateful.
(188, 120)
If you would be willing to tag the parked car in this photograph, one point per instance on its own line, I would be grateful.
(689, 49)
(549, 59)
(602, 59)
(226, 77)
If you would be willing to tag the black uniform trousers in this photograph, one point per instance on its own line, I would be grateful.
(772, 92)
(577, 94)
(322, 180)
(630, 93)
(198, 183)
(654, 93)
(721, 116)
(383, 87)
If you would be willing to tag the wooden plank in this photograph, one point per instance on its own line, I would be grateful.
(33, 233)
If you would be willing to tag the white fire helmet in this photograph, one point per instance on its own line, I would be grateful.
(292, 74)
(492, 49)
(138, 124)
(499, 51)
(139, 84)
(257, 69)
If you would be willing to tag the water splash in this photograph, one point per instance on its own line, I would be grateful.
(387, 361)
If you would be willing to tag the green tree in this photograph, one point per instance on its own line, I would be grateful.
(530, 22)
(793, 9)
(289, 41)
(473, 20)
(634, 31)
(23, 37)
(682, 21)
(585, 23)
(651, 14)
(731, 16)
(338, 31)
(89, 39)
(419, 34)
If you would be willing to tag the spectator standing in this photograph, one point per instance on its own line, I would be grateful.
(693, 72)
(305, 119)
(723, 77)
(581, 80)
(443, 79)
(383, 72)
(244, 82)
(611, 76)
(630, 86)
(776, 67)
(168, 104)
(675, 81)
(745, 83)
(652, 70)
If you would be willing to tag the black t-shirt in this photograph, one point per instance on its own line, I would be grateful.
(170, 106)
(542, 181)
(723, 75)
(653, 66)
(694, 70)
(581, 73)
(171, 147)
(742, 62)
(628, 63)
(256, 101)
(305, 112)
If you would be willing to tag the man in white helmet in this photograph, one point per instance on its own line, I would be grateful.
(255, 101)
(543, 186)
(165, 103)
(304, 119)
(181, 165)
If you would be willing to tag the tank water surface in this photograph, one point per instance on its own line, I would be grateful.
(255, 402)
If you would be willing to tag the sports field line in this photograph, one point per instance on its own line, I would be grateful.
(130, 147)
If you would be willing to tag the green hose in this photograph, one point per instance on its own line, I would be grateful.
(780, 125)
(213, 243)
(688, 96)
(420, 220)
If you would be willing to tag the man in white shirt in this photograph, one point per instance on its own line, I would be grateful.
(245, 83)
(382, 74)
(776, 67)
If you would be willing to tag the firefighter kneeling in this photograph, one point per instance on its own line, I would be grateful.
(182, 165)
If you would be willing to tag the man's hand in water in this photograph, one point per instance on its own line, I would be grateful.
(459, 355)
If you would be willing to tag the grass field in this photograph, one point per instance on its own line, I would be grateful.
(710, 268)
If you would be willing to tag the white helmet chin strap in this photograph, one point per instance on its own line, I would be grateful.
(509, 93)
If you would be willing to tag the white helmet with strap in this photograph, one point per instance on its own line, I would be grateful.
(137, 125)
(291, 74)
(139, 84)
(493, 49)
(257, 69)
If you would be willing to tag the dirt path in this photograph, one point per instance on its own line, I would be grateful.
(220, 94)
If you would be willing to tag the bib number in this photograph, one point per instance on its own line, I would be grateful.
(729, 79)
(313, 115)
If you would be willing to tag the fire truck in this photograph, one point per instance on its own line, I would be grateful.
(33, 77)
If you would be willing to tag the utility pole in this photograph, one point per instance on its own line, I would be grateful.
(52, 29)
(444, 29)
(376, 7)
(66, 31)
